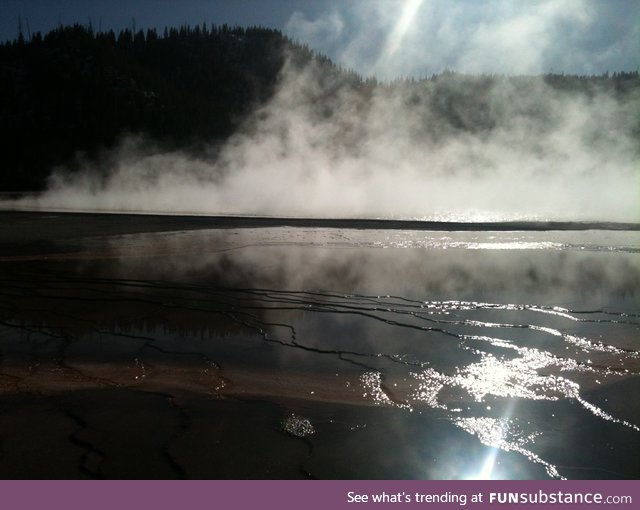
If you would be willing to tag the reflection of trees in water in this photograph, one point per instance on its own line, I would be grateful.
(67, 308)
(412, 354)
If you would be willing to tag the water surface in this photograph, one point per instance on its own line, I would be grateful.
(286, 352)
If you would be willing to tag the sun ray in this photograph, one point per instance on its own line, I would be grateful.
(405, 21)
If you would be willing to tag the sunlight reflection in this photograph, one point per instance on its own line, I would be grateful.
(506, 435)
(487, 468)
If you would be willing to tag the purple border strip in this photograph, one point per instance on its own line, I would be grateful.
(316, 495)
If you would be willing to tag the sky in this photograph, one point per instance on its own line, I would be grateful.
(390, 38)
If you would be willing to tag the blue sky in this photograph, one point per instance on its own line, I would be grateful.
(390, 38)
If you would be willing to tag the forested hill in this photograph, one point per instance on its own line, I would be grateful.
(75, 91)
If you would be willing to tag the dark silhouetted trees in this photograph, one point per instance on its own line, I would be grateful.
(78, 91)
(74, 90)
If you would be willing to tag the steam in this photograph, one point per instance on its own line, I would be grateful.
(324, 148)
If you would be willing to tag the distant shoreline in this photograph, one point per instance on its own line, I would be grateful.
(92, 223)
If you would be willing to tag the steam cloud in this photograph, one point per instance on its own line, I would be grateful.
(320, 148)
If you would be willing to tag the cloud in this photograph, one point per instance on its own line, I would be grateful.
(497, 36)
(520, 39)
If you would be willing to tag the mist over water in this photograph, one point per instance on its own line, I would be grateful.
(454, 147)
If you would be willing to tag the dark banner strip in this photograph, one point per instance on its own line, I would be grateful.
(285, 495)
